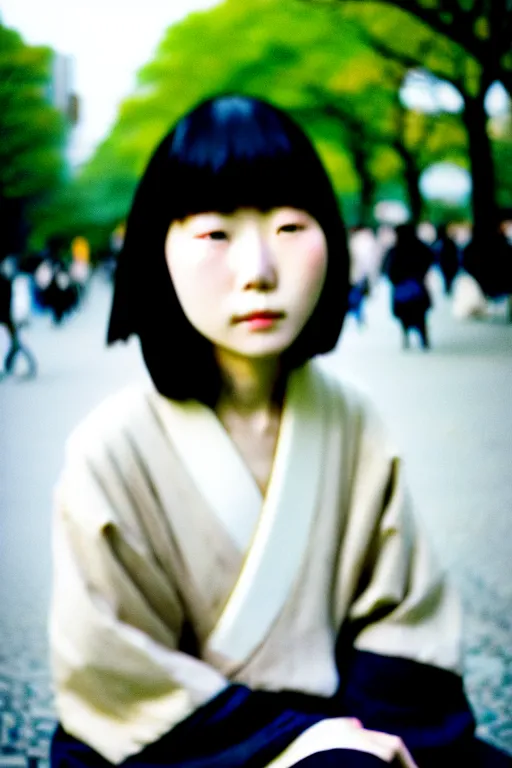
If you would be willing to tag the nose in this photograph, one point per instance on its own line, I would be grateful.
(256, 266)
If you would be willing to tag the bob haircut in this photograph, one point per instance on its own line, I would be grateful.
(229, 152)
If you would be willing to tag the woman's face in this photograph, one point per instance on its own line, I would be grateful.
(248, 281)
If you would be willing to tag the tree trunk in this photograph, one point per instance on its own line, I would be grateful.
(506, 81)
(483, 194)
(367, 185)
(412, 180)
(412, 175)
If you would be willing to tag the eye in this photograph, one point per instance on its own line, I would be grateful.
(215, 234)
(218, 234)
(291, 227)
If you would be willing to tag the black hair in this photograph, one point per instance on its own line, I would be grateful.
(229, 152)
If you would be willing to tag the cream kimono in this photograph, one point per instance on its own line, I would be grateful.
(175, 579)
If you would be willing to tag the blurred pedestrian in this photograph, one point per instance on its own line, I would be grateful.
(62, 294)
(364, 261)
(21, 299)
(80, 266)
(448, 258)
(489, 262)
(468, 298)
(16, 349)
(43, 275)
(80, 275)
(56, 290)
(406, 265)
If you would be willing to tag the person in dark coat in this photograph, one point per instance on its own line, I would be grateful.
(489, 262)
(61, 295)
(406, 265)
(447, 257)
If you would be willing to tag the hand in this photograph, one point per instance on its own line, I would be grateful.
(345, 733)
(388, 747)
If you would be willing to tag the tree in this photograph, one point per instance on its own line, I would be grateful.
(197, 58)
(329, 78)
(483, 28)
(417, 46)
(33, 133)
(376, 125)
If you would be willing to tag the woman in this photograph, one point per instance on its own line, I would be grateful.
(406, 266)
(238, 578)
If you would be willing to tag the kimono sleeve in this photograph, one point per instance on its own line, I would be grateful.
(120, 680)
(399, 652)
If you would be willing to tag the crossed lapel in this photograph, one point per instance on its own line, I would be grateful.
(282, 531)
(273, 532)
(215, 466)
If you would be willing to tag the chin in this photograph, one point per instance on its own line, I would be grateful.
(258, 351)
(257, 346)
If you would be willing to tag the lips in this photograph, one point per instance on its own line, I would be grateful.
(265, 315)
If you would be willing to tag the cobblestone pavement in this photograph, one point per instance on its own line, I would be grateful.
(76, 372)
(27, 717)
(488, 662)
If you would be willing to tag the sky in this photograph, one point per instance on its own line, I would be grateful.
(429, 94)
(109, 41)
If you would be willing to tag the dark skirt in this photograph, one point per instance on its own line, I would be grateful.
(241, 728)
(68, 752)
(411, 302)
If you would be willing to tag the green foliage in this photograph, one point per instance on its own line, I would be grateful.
(483, 29)
(32, 138)
(31, 130)
(502, 151)
(442, 212)
(262, 47)
(458, 44)
(317, 61)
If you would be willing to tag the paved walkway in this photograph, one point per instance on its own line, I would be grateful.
(450, 413)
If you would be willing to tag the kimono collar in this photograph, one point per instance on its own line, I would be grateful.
(271, 532)
(282, 532)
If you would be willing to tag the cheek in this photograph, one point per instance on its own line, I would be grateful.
(317, 262)
(314, 266)
(199, 284)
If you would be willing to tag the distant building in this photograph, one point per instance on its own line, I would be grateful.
(63, 97)
(62, 94)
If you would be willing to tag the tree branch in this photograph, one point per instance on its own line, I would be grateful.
(447, 18)
(409, 61)
(356, 127)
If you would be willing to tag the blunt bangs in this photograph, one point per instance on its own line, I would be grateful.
(234, 153)
(230, 152)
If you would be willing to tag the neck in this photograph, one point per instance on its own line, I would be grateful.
(249, 386)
